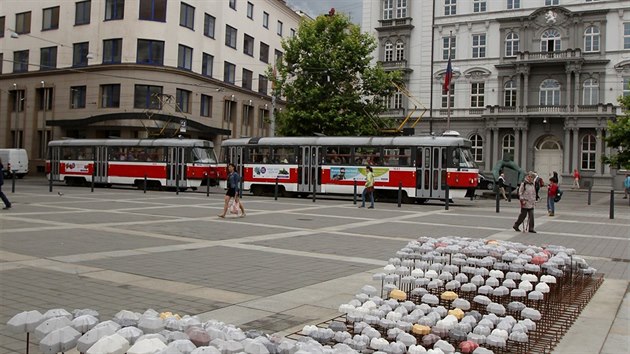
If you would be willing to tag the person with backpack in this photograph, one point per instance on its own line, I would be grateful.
(233, 188)
(626, 186)
(553, 195)
(527, 197)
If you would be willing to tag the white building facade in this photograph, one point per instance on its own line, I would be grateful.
(536, 80)
(137, 69)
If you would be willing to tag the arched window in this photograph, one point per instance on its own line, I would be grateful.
(511, 44)
(509, 98)
(550, 41)
(389, 51)
(400, 51)
(388, 9)
(508, 146)
(591, 92)
(591, 39)
(588, 152)
(477, 147)
(550, 93)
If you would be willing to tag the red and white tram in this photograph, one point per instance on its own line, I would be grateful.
(423, 165)
(187, 163)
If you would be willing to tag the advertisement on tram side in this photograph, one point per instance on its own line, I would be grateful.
(271, 171)
(381, 174)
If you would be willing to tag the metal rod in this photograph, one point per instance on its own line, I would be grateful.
(612, 204)
(447, 197)
(497, 202)
(275, 190)
(590, 188)
(93, 176)
(13, 181)
(145, 184)
(399, 193)
(207, 184)
(50, 179)
(354, 196)
(177, 180)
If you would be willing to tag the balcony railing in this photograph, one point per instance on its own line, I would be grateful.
(569, 54)
(398, 64)
(553, 110)
(406, 21)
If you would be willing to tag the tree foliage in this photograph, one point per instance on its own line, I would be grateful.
(618, 136)
(329, 84)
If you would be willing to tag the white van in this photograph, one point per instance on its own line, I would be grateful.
(14, 160)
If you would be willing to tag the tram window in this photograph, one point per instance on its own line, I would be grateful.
(338, 155)
(367, 155)
(203, 155)
(396, 156)
(259, 155)
(461, 158)
(122, 153)
(436, 158)
(427, 158)
(443, 157)
(77, 153)
(281, 154)
(154, 154)
(419, 158)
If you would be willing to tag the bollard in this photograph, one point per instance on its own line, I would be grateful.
(314, 191)
(354, 197)
(612, 204)
(400, 193)
(589, 194)
(50, 182)
(207, 184)
(496, 200)
(275, 190)
(145, 184)
(92, 184)
(509, 193)
(446, 189)
(177, 183)
(13, 182)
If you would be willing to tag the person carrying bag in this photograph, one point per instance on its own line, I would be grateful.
(369, 188)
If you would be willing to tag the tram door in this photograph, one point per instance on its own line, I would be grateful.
(423, 172)
(175, 166)
(308, 170)
(100, 164)
(55, 158)
(235, 156)
(431, 172)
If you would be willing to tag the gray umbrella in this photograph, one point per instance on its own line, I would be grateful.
(151, 324)
(92, 336)
(58, 313)
(130, 334)
(25, 322)
(50, 325)
(126, 318)
(206, 350)
(84, 323)
(59, 340)
(81, 312)
(183, 345)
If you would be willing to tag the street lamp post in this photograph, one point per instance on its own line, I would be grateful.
(42, 149)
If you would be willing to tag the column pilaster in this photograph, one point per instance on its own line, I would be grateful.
(523, 164)
(495, 146)
(575, 150)
(598, 152)
(567, 151)
(517, 145)
(487, 150)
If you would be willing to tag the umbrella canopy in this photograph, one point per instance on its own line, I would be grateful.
(468, 346)
(25, 321)
(57, 313)
(146, 346)
(50, 325)
(113, 344)
(130, 334)
(151, 324)
(126, 318)
(84, 323)
(198, 336)
(183, 345)
(81, 312)
(93, 335)
(59, 340)
(206, 350)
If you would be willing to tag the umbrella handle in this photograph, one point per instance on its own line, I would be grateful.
(28, 341)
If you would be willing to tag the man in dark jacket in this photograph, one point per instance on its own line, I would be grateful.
(7, 203)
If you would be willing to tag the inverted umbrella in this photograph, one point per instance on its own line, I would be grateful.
(113, 344)
(59, 340)
(50, 325)
(25, 322)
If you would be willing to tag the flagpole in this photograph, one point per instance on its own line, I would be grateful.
(448, 88)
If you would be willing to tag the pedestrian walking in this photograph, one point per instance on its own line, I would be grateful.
(538, 183)
(369, 188)
(576, 179)
(527, 197)
(233, 189)
(501, 184)
(552, 194)
(5, 200)
(626, 185)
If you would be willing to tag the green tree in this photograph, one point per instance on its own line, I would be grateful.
(618, 136)
(328, 81)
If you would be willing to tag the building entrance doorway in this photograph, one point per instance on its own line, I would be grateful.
(548, 158)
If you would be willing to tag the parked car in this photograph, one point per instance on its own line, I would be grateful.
(14, 160)
(485, 182)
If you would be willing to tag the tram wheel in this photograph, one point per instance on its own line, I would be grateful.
(257, 190)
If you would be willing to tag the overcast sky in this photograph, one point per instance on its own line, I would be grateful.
(318, 7)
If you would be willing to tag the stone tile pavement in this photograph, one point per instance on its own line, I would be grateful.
(288, 263)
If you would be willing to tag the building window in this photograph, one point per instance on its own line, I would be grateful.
(477, 147)
(400, 51)
(23, 22)
(82, 12)
(479, 46)
(79, 54)
(2, 27)
(398, 100)
(266, 20)
(389, 51)
(187, 16)
(278, 56)
(450, 7)
(112, 51)
(248, 45)
(550, 93)
(20, 61)
(50, 18)
(550, 41)
(388, 9)
(207, 62)
(279, 31)
(479, 5)
(47, 58)
(77, 97)
(150, 52)
(1, 61)
(153, 10)
(591, 92)
(588, 152)
(626, 86)
(401, 8)
(513, 4)
(208, 26)
(229, 72)
(230, 36)
(477, 91)
(626, 35)
(110, 96)
(591, 39)
(552, 2)
(509, 95)
(233, 4)
(206, 106)
(114, 9)
(264, 52)
(448, 42)
(246, 82)
(184, 57)
(147, 97)
(182, 97)
(445, 96)
(263, 84)
(45, 97)
(508, 146)
(250, 10)
(511, 44)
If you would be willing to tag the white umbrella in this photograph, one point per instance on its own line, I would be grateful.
(50, 325)
(151, 324)
(183, 345)
(126, 318)
(58, 313)
(206, 350)
(146, 346)
(113, 344)
(110, 324)
(81, 312)
(84, 323)
(158, 336)
(131, 334)
(25, 322)
(92, 336)
(59, 340)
